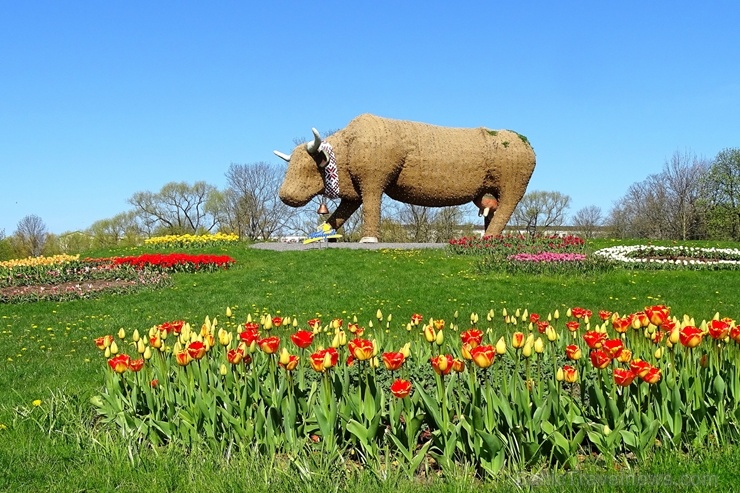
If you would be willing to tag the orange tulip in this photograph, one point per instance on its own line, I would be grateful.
(573, 352)
(483, 355)
(458, 365)
(291, 364)
(625, 356)
(442, 364)
(277, 321)
(517, 340)
(572, 325)
(401, 388)
(182, 357)
(439, 324)
(361, 349)
(570, 374)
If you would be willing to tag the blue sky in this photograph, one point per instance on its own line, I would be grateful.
(99, 100)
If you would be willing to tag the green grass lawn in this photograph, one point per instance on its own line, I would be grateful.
(47, 353)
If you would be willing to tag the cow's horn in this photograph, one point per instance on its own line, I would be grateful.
(312, 147)
(283, 156)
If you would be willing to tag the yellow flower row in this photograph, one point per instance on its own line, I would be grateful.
(38, 261)
(189, 239)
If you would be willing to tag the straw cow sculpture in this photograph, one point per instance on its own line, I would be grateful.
(411, 162)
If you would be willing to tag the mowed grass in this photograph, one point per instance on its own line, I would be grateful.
(47, 353)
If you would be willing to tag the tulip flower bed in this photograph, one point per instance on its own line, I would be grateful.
(511, 244)
(64, 277)
(509, 391)
(175, 262)
(535, 254)
(673, 257)
(191, 241)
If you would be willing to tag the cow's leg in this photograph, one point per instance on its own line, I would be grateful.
(371, 217)
(345, 209)
(507, 204)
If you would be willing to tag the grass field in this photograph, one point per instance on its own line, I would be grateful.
(47, 354)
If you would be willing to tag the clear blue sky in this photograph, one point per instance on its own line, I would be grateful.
(99, 100)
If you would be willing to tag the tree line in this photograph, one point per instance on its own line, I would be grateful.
(690, 198)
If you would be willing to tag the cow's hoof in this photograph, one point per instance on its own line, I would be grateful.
(368, 239)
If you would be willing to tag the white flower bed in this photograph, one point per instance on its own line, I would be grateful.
(678, 256)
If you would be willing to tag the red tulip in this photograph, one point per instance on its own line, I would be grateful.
(600, 359)
(119, 363)
(652, 375)
(136, 364)
(416, 319)
(104, 342)
(604, 315)
(640, 367)
(613, 347)
(534, 318)
(718, 329)
(401, 388)
(302, 338)
(472, 337)
(249, 335)
(594, 339)
(235, 356)
(580, 312)
(196, 350)
(657, 314)
(269, 345)
(622, 324)
(542, 326)
(572, 325)
(690, 336)
(314, 323)
(393, 360)
(623, 377)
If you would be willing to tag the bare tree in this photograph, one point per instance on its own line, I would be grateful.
(588, 220)
(666, 205)
(31, 234)
(539, 209)
(176, 208)
(254, 209)
(417, 220)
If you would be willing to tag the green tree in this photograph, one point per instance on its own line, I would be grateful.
(722, 187)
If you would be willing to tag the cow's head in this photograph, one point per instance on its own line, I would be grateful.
(303, 180)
